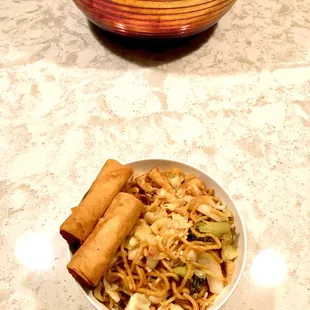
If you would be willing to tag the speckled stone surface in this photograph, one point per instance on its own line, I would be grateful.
(234, 101)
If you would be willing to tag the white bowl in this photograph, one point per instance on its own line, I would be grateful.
(141, 166)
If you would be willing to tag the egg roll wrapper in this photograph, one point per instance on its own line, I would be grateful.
(83, 219)
(93, 258)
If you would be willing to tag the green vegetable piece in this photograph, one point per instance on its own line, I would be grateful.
(229, 252)
(180, 271)
(216, 228)
(196, 284)
(227, 238)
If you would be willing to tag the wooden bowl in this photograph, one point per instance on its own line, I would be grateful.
(154, 18)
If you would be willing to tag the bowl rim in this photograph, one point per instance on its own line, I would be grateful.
(229, 294)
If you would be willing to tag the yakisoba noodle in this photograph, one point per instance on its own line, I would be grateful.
(179, 255)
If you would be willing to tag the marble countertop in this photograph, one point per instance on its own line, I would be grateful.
(234, 101)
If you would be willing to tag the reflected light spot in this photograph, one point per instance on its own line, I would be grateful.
(183, 28)
(121, 26)
(34, 251)
(268, 268)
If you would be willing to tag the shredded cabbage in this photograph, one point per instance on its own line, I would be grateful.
(170, 206)
(194, 187)
(192, 255)
(214, 214)
(200, 274)
(158, 224)
(111, 289)
(151, 263)
(142, 232)
(171, 307)
(216, 228)
(97, 292)
(229, 252)
(132, 253)
(230, 268)
(138, 302)
(175, 177)
(216, 286)
(133, 241)
(179, 222)
(180, 271)
(175, 181)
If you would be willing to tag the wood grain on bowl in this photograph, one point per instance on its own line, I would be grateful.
(154, 18)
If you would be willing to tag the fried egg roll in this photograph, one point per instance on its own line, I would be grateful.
(109, 182)
(93, 258)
